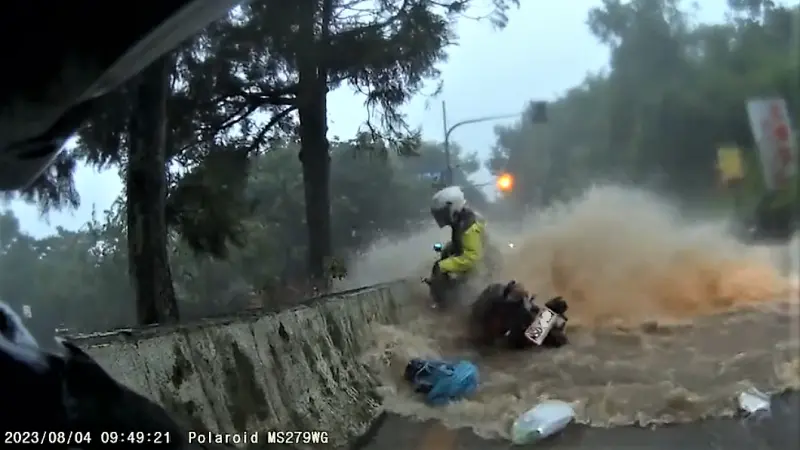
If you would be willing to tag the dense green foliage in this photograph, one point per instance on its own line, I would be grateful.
(185, 133)
(81, 277)
(675, 91)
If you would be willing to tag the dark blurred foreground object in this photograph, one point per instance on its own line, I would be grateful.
(70, 392)
(505, 311)
(59, 56)
(772, 220)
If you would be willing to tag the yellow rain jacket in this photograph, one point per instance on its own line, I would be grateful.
(466, 248)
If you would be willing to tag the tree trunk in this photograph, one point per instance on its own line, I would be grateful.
(146, 189)
(314, 151)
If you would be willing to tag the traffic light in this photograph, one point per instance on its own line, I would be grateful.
(539, 110)
(505, 182)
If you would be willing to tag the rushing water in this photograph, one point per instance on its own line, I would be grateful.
(669, 318)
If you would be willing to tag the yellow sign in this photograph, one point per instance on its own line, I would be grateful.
(729, 162)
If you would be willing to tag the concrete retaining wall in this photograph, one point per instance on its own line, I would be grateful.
(292, 370)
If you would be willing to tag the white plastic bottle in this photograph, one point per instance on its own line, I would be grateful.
(543, 420)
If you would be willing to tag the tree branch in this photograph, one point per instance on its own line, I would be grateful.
(263, 132)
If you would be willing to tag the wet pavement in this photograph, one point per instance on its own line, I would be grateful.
(777, 430)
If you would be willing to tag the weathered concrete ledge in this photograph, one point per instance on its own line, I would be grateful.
(291, 370)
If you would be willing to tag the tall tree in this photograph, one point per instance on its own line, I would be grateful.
(146, 194)
(167, 132)
(385, 50)
(236, 87)
(312, 87)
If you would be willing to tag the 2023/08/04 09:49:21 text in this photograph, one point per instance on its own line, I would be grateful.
(255, 437)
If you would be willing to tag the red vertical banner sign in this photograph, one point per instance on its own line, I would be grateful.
(775, 139)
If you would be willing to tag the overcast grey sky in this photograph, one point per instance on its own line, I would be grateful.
(545, 50)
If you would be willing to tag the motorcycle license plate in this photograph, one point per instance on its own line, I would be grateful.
(541, 326)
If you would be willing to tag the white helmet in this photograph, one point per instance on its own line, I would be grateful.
(446, 203)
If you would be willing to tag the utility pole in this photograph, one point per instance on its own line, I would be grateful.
(539, 116)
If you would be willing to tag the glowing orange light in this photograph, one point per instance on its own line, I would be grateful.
(505, 182)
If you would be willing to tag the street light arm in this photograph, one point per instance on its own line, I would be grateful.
(477, 120)
(449, 130)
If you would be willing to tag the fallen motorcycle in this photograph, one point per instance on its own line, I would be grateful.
(507, 313)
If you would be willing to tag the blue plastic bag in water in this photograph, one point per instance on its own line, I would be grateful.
(442, 381)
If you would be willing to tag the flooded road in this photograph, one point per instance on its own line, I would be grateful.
(670, 317)
(653, 374)
(777, 431)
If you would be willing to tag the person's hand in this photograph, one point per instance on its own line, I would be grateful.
(437, 270)
(447, 250)
(450, 275)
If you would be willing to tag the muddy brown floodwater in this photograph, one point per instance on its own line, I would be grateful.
(669, 319)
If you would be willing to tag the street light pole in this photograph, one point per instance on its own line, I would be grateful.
(448, 131)
(448, 175)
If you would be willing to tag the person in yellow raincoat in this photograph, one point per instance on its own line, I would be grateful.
(464, 256)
